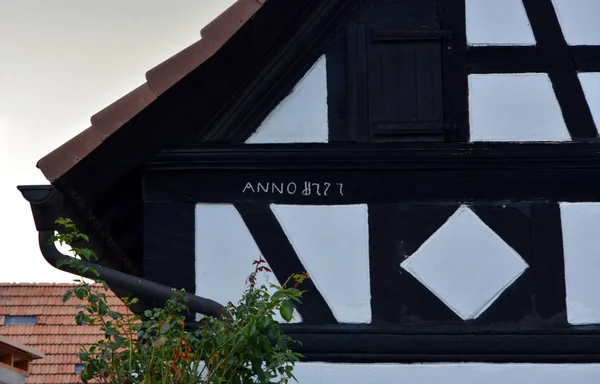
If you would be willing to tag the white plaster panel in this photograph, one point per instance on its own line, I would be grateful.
(465, 264)
(302, 116)
(515, 107)
(581, 244)
(328, 373)
(579, 21)
(497, 22)
(591, 87)
(333, 244)
(225, 251)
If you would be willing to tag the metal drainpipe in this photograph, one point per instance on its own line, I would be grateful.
(46, 204)
(122, 280)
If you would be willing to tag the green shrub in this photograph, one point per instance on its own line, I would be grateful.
(245, 345)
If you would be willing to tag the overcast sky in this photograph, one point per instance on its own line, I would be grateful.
(60, 62)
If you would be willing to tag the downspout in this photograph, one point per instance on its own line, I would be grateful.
(46, 205)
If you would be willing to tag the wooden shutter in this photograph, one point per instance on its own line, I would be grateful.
(399, 93)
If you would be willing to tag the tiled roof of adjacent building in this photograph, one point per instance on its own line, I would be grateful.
(158, 79)
(54, 332)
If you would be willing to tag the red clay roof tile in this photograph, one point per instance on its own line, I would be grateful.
(23, 289)
(158, 79)
(54, 164)
(111, 118)
(169, 72)
(55, 333)
(54, 320)
(53, 379)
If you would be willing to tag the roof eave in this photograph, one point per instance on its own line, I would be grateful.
(23, 349)
(158, 80)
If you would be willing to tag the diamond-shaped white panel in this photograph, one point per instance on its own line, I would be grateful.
(465, 264)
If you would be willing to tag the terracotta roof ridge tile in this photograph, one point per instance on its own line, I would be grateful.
(158, 79)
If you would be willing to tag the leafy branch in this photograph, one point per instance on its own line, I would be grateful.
(246, 346)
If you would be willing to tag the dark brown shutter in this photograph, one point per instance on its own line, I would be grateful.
(399, 91)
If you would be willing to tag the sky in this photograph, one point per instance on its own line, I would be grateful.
(60, 62)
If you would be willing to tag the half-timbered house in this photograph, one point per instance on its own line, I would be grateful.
(433, 164)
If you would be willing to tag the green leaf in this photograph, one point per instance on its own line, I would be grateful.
(110, 332)
(113, 346)
(281, 344)
(114, 315)
(80, 292)
(272, 333)
(79, 318)
(102, 308)
(67, 296)
(287, 310)
(277, 295)
(165, 328)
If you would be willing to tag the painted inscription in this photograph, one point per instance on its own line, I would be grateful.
(306, 188)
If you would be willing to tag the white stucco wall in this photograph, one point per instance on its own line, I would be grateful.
(322, 236)
(590, 82)
(522, 107)
(224, 247)
(8, 376)
(579, 21)
(505, 22)
(324, 373)
(503, 107)
(581, 243)
(515, 107)
(225, 251)
(332, 243)
(464, 263)
(497, 22)
(302, 116)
